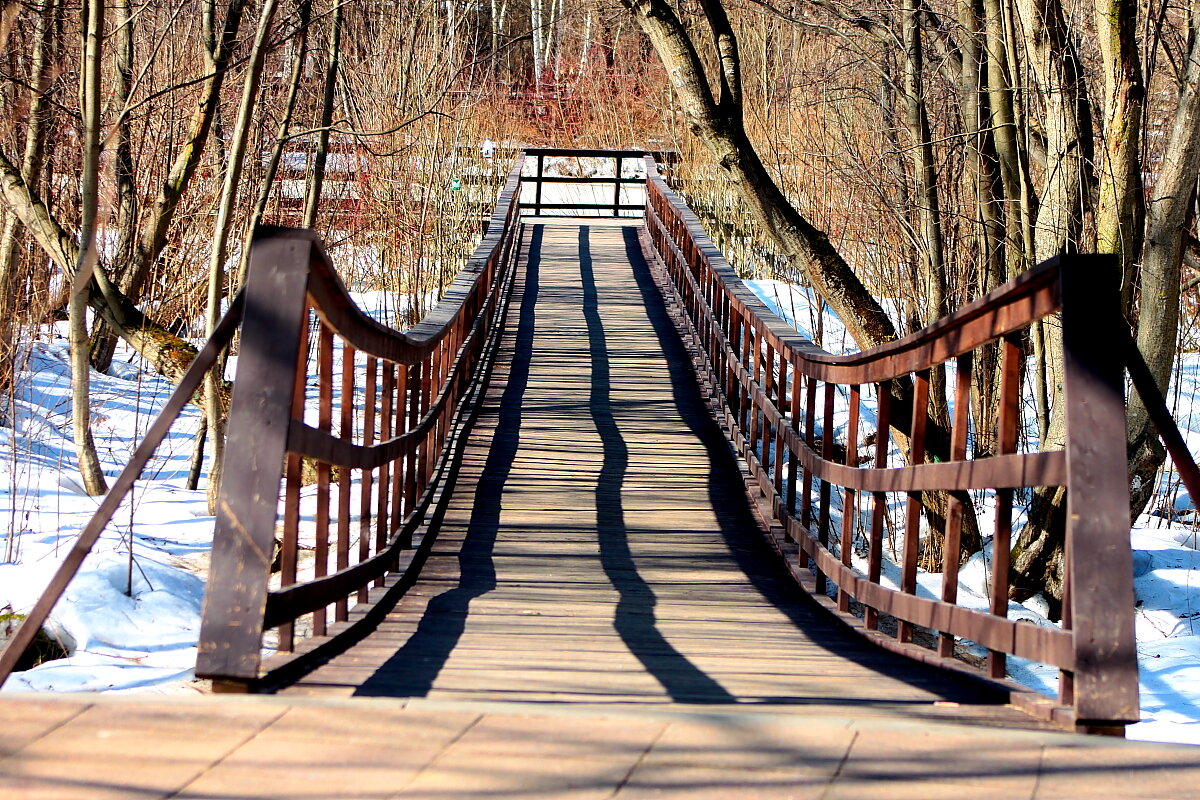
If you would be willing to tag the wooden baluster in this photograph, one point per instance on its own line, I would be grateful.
(733, 334)
(346, 432)
(793, 457)
(952, 543)
(426, 396)
(745, 410)
(537, 186)
(1010, 388)
(399, 508)
(810, 439)
(617, 191)
(289, 547)
(364, 521)
(825, 488)
(752, 426)
(324, 423)
(386, 427)
(883, 437)
(848, 495)
(915, 505)
(781, 407)
(769, 389)
(412, 408)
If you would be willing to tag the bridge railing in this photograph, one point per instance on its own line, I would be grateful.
(357, 483)
(356, 487)
(596, 194)
(779, 391)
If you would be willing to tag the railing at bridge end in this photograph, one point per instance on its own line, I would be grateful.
(589, 193)
(777, 389)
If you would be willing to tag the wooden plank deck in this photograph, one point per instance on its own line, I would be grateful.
(600, 619)
(600, 547)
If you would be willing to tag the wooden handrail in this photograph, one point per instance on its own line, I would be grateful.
(775, 386)
(402, 402)
(537, 206)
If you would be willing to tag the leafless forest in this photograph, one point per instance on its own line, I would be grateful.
(899, 158)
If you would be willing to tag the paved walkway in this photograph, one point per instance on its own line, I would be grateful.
(599, 618)
(290, 748)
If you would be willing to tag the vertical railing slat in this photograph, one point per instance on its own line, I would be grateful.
(952, 543)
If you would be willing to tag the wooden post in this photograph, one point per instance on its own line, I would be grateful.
(1101, 569)
(260, 414)
(617, 188)
(537, 187)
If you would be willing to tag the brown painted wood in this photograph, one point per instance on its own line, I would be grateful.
(243, 539)
(575, 564)
(678, 236)
(1105, 674)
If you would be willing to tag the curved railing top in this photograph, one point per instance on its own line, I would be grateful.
(1001, 311)
(778, 390)
(335, 306)
(440, 354)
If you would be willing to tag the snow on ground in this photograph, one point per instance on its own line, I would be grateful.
(131, 618)
(1165, 555)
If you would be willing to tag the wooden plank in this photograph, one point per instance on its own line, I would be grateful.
(579, 563)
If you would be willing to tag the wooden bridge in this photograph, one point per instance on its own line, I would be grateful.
(575, 535)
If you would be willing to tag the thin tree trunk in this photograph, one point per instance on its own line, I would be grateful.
(165, 352)
(104, 339)
(38, 116)
(990, 234)
(317, 178)
(214, 409)
(1121, 206)
(300, 59)
(81, 411)
(1167, 220)
(1037, 556)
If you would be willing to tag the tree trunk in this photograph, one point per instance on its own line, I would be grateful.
(214, 409)
(719, 124)
(104, 340)
(38, 117)
(282, 138)
(81, 410)
(1167, 221)
(316, 179)
(1037, 556)
(1121, 206)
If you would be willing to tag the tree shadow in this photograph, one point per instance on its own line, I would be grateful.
(411, 671)
(634, 618)
(741, 529)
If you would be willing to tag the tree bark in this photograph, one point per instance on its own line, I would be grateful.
(1167, 220)
(1037, 556)
(81, 408)
(38, 116)
(214, 409)
(104, 339)
(718, 123)
(316, 179)
(1121, 205)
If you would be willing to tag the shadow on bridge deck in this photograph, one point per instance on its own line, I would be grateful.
(600, 618)
(600, 547)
